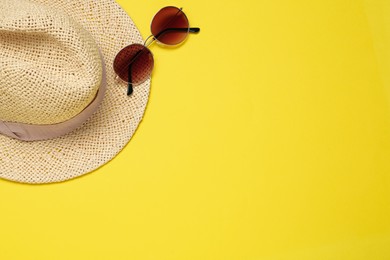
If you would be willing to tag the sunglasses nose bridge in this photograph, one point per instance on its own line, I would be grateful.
(148, 41)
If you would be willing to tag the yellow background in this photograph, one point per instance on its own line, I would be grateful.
(267, 136)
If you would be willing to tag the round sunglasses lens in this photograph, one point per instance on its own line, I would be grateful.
(134, 63)
(170, 26)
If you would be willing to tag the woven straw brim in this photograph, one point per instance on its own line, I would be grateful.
(106, 133)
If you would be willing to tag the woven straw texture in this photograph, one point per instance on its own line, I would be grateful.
(113, 124)
(49, 62)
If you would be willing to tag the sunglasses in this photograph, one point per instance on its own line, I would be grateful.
(134, 63)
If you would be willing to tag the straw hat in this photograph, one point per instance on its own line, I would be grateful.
(63, 113)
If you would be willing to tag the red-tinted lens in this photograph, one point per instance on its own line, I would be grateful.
(170, 25)
(137, 59)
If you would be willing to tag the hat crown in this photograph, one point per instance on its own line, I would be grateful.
(50, 66)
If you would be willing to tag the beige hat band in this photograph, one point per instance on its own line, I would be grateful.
(31, 132)
(51, 82)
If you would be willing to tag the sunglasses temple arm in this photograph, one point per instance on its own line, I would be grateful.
(194, 30)
(191, 30)
(129, 84)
